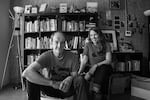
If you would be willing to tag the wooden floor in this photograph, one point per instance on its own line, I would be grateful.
(10, 93)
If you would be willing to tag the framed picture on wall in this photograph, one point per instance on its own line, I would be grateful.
(114, 4)
(110, 36)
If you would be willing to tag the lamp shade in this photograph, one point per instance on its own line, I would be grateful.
(18, 9)
(147, 13)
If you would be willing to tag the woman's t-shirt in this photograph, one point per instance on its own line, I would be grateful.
(58, 69)
(94, 54)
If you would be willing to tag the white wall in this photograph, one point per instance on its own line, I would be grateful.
(4, 38)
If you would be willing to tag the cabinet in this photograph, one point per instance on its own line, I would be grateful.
(37, 30)
(127, 62)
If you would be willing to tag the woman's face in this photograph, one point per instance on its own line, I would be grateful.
(94, 37)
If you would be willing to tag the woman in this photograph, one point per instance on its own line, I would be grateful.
(97, 53)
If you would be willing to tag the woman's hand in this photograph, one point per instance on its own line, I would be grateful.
(87, 76)
(65, 84)
(92, 69)
(90, 72)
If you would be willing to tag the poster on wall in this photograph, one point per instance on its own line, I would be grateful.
(114, 4)
(110, 36)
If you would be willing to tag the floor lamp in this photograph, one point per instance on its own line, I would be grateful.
(16, 31)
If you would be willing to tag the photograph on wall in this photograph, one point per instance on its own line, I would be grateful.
(110, 36)
(114, 4)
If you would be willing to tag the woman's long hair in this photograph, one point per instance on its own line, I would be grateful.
(102, 39)
(100, 34)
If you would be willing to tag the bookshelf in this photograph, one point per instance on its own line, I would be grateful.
(127, 62)
(39, 27)
(37, 30)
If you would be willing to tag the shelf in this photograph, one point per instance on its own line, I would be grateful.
(67, 14)
(133, 72)
(31, 34)
(47, 33)
(41, 14)
(127, 53)
(31, 50)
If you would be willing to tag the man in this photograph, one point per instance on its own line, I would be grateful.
(62, 67)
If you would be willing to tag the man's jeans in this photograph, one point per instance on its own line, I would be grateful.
(78, 90)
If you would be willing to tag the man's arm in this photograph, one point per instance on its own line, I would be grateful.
(84, 60)
(32, 74)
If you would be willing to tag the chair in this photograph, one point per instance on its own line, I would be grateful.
(112, 78)
(111, 83)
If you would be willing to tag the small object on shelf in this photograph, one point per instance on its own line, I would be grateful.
(71, 9)
(128, 33)
(43, 7)
(83, 10)
(126, 46)
(91, 7)
(18, 9)
(53, 9)
(34, 10)
(27, 9)
(63, 7)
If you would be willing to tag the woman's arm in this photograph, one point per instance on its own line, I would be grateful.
(108, 59)
(84, 60)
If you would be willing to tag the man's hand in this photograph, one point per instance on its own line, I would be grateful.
(65, 84)
(55, 84)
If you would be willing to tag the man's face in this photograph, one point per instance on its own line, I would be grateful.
(58, 43)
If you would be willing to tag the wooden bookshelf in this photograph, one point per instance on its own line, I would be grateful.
(37, 30)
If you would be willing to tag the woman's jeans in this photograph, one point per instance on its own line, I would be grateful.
(101, 77)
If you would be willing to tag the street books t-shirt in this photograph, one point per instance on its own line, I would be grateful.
(59, 69)
(95, 54)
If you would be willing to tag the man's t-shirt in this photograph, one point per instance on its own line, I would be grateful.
(94, 55)
(59, 69)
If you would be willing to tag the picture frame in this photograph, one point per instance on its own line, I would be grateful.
(110, 36)
(43, 7)
(92, 7)
(114, 4)
(27, 9)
